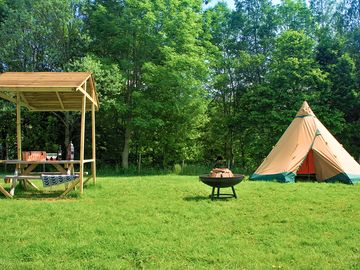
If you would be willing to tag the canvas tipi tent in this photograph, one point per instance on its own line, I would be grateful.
(307, 147)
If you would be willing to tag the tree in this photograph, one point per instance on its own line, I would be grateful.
(341, 71)
(347, 63)
(222, 85)
(255, 22)
(295, 15)
(323, 13)
(40, 35)
(143, 39)
(108, 83)
(294, 76)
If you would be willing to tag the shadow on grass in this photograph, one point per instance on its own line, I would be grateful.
(223, 197)
(196, 198)
(48, 195)
(44, 195)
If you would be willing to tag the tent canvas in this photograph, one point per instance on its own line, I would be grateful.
(307, 147)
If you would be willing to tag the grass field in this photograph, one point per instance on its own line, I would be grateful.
(168, 222)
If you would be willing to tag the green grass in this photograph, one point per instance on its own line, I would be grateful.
(168, 222)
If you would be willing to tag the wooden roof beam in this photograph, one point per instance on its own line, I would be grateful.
(92, 82)
(7, 97)
(60, 101)
(26, 102)
(10, 88)
(82, 90)
(58, 109)
(84, 81)
(12, 99)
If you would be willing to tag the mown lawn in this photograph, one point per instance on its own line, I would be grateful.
(168, 222)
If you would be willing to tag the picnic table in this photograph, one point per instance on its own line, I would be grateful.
(52, 92)
(25, 173)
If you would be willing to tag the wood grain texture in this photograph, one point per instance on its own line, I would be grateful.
(49, 91)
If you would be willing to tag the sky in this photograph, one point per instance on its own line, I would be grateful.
(230, 3)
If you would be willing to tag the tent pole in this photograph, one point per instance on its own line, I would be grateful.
(18, 127)
(93, 140)
(82, 143)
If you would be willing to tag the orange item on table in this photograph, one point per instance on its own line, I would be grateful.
(33, 155)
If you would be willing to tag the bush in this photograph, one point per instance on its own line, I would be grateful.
(177, 169)
(195, 169)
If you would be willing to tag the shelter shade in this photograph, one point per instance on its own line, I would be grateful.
(49, 80)
(49, 91)
(338, 154)
(326, 164)
(53, 91)
(289, 152)
(307, 135)
(308, 166)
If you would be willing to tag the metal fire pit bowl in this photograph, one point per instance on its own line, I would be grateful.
(221, 182)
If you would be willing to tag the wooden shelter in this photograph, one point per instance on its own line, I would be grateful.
(54, 91)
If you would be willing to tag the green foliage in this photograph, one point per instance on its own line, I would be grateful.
(177, 169)
(40, 35)
(254, 23)
(163, 66)
(294, 77)
(295, 15)
(110, 86)
(342, 69)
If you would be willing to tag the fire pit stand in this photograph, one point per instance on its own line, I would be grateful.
(222, 182)
(221, 194)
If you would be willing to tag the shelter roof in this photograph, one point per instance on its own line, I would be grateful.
(305, 110)
(49, 91)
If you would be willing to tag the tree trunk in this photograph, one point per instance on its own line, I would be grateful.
(125, 152)
(139, 163)
(6, 151)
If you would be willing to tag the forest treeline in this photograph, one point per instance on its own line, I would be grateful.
(178, 81)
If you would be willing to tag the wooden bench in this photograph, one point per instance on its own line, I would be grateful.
(21, 177)
(25, 179)
(34, 175)
(47, 182)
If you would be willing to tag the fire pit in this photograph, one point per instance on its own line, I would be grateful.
(221, 178)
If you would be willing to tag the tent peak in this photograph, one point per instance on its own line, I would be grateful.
(305, 110)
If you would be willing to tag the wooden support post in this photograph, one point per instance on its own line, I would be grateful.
(71, 187)
(93, 140)
(82, 144)
(82, 90)
(3, 191)
(29, 169)
(13, 186)
(28, 182)
(60, 168)
(87, 179)
(25, 101)
(18, 128)
(60, 100)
